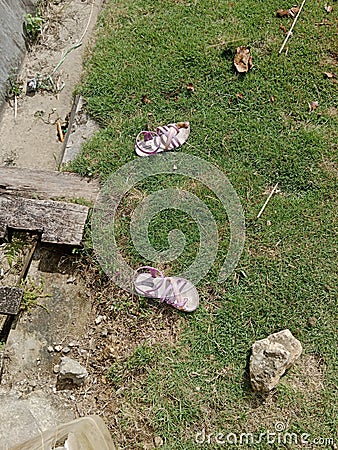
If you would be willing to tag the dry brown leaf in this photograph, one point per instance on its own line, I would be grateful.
(145, 99)
(282, 27)
(313, 105)
(243, 59)
(283, 13)
(240, 95)
(288, 12)
(330, 74)
(328, 8)
(272, 98)
(190, 87)
(293, 11)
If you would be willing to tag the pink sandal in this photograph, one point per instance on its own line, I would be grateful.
(175, 291)
(168, 137)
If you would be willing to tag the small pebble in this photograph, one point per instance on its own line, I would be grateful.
(158, 441)
(56, 368)
(66, 350)
(50, 349)
(58, 348)
(99, 319)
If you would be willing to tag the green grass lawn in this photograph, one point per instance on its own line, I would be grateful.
(259, 130)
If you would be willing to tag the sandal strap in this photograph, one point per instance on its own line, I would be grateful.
(147, 136)
(153, 274)
(172, 294)
(170, 132)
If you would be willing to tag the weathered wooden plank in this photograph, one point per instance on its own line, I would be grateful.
(45, 185)
(58, 222)
(10, 299)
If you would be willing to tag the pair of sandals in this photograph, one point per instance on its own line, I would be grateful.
(165, 138)
(148, 281)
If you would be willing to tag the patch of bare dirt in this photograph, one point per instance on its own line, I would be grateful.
(122, 324)
(308, 376)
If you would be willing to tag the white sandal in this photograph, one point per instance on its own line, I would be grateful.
(175, 291)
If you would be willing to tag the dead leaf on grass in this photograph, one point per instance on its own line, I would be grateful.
(145, 99)
(328, 8)
(243, 59)
(329, 74)
(293, 11)
(288, 12)
(283, 28)
(239, 95)
(313, 105)
(283, 13)
(190, 87)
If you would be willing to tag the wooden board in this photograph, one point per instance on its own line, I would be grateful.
(58, 222)
(10, 299)
(45, 185)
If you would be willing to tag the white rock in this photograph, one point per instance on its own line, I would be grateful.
(271, 357)
(72, 370)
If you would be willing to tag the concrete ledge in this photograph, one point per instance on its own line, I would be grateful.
(12, 40)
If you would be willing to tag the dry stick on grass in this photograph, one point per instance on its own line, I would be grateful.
(267, 201)
(292, 26)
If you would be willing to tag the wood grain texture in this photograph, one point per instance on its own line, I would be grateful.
(46, 185)
(58, 222)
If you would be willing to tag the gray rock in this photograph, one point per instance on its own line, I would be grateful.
(72, 370)
(271, 357)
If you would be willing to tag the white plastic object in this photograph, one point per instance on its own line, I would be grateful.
(86, 433)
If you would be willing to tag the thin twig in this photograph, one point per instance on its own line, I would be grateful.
(292, 26)
(267, 201)
(60, 132)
